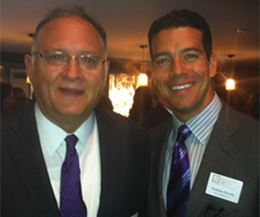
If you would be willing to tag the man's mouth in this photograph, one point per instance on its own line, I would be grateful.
(181, 87)
(70, 91)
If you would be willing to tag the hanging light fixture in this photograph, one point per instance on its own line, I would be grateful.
(230, 82)
(142, 78)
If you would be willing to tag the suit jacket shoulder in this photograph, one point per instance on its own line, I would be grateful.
(232, 151)
(25, 186)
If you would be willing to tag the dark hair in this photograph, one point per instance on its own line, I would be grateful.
(142, 103)
(183, 18)
(74, 10)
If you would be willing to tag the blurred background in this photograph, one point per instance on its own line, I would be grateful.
(234, 25)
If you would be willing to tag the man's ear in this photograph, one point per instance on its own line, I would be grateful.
(213, 64)
(28, 65)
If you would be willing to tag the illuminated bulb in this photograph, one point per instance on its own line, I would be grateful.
(142, 80)
(28, 80)
(230, 84)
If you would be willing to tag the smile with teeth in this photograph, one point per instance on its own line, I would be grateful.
(181, 87)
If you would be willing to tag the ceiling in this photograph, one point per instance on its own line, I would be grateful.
(234, 23)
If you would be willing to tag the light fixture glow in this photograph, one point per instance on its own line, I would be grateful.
(28, 80)
(230, 84)
(142, 80)
(121, 92)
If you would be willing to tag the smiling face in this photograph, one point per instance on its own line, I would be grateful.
(181, 70)
(67, 95)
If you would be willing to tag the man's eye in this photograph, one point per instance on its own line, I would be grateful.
(56, 57)
(87, 59)
(160, 61)
(190, 57)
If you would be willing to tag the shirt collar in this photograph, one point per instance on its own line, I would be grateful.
(52, 136)
(202, 124)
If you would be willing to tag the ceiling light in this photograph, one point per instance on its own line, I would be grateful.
(243, 30)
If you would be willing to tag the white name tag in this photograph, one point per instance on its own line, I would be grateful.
(224, 187)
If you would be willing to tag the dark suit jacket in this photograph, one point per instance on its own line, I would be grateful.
(232, 151)
(25, 186)
(156, 116)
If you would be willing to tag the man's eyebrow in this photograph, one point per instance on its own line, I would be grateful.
(165, 53)
(191, 49)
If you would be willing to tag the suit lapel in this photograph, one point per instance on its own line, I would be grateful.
(160, 137)
(109, 155)
(167, 130)
(29, 163)
(216, 157)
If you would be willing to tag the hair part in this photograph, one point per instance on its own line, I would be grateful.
(182, 18)
(75, 10)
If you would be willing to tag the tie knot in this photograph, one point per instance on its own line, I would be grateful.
(183, 133)
(71, 140)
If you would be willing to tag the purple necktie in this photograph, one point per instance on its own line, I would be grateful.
(179, 181)
(71, 202)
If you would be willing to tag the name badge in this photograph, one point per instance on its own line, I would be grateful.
(224, 187)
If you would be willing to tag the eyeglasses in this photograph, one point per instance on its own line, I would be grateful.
(166, 59)
(61, 59)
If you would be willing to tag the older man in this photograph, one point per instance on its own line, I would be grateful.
(61, 156)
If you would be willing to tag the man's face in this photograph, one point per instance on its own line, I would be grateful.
(67, 92)
(181, 70)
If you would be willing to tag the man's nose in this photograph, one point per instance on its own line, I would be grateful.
(178, 66)
(73, 68)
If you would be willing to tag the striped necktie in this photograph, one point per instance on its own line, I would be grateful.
(179, 181)
(71, 201)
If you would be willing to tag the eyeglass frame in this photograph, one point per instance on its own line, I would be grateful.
(44, 55)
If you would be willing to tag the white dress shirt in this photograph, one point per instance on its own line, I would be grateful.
(54, 150)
